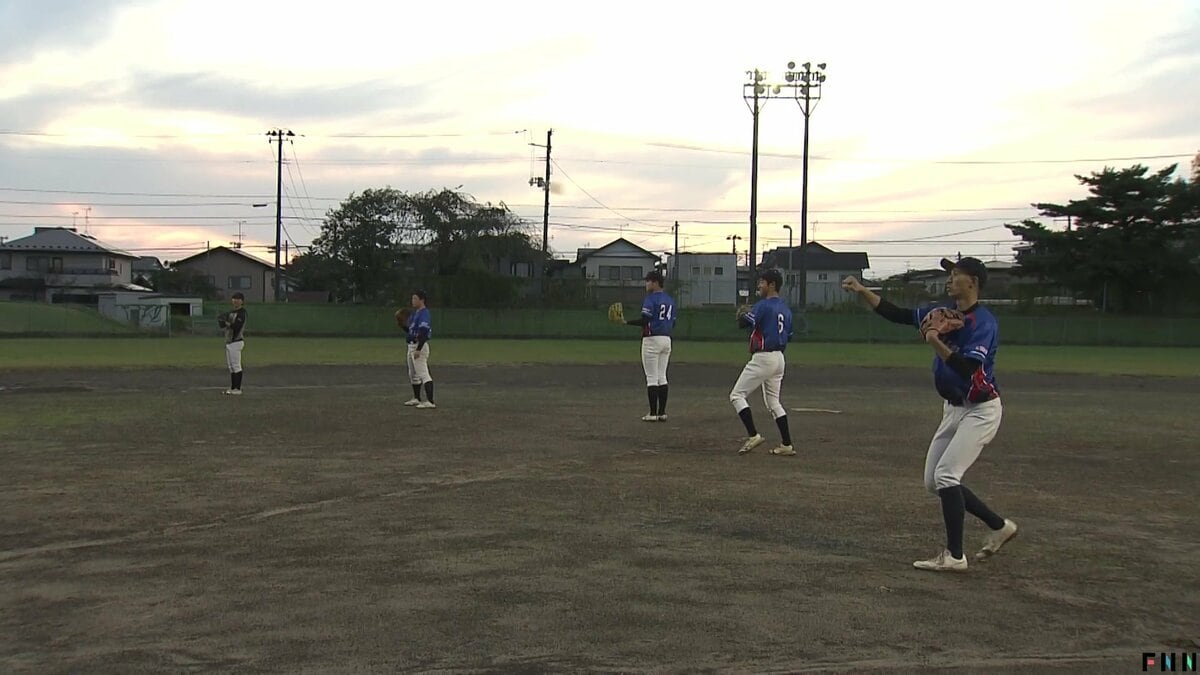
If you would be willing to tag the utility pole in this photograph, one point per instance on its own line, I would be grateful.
(675, 258)
(544, 184)
(277, 136)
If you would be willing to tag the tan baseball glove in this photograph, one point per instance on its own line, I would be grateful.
(616, 313)
(402, 316)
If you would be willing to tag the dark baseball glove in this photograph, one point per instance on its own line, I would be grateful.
(402, 316)
(223, 320)
(943, 320)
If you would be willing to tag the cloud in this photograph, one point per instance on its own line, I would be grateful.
(29, 27)
(218, 93)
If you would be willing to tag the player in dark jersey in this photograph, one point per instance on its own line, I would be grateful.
(657, 321)
(234, 324)
(771, 321)
(964, 376)
(420, 330)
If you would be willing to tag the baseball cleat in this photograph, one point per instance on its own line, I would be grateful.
(995, 539)
(751, 443)
(943, 562)
(662, 418)
(784, 451)
(425, 405)
(649, 418)
(233, 392)
(412, 402)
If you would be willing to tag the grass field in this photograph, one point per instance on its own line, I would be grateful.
(201, 352)
(532, 524)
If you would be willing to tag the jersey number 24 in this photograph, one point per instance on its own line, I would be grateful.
(664, 312)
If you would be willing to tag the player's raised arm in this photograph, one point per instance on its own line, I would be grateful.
(887, 310)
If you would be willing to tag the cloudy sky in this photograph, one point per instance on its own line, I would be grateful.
(145, 121)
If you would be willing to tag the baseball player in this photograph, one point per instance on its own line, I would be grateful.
(234, 324)
(657, 321)
(964, 376)
(771, 321)
(420, 329)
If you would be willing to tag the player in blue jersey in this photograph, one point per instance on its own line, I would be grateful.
(964, 376)
(771, 321)
(657, 321)
(420, 329)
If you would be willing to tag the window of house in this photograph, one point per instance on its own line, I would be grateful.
(56, 265)
(631, 273)
(707, 271)
(212, 281)
(521, 269)
(822, 277)
(695, 271)
(35, 263)
(610, 273)
(719, 271)
(239, 283)
(5, 261)
(112, 263)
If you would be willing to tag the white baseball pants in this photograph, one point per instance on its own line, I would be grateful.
(656, 354)
(233, 356)
(765, 369)
(418, 364)
(958, 441)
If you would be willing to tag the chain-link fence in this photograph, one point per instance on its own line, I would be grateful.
(334, 320)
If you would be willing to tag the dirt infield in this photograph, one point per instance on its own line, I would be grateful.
(533, 523)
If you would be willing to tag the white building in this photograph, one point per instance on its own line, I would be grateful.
(616, 271)
(699, 279)
(147, 310)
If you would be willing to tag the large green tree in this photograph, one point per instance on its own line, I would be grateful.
(382, 237)
(1132, 244)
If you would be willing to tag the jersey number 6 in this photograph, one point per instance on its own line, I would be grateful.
(780, 316)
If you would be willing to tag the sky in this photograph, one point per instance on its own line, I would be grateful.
(145, 122)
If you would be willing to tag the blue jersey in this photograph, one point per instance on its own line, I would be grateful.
(419, 323)
(977, 340)
(772, 322)
(659, 310)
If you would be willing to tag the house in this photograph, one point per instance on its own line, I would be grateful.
(823, 268)
(699, 279)
(1004, 280)
(231, 270)
(144, 269)
(58, 264)
(615, 272)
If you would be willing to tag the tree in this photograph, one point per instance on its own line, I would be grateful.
(380, 240)
(1133, 243)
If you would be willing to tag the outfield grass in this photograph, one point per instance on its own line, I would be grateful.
(205, 352)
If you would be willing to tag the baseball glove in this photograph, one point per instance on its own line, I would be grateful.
(943, 320)
(223, 320)
(616, 313)
(402, 316)
(743, 310)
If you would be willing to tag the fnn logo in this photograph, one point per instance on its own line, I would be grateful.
(1169, 663)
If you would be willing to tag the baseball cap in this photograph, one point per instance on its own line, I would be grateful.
(970, 266)
(655, 275)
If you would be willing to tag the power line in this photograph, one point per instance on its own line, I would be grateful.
(698, 148)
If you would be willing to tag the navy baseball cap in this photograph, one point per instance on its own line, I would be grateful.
(970, 266)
